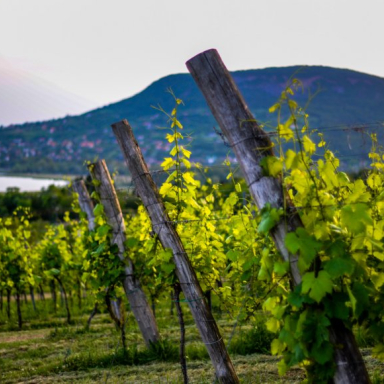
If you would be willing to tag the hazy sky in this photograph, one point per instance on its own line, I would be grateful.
(107, 50)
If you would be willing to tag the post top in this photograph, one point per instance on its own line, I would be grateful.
(212, 51)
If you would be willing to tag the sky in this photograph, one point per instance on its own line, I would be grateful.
(89, 53)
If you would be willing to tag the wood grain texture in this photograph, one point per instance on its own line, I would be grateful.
(85, 202)
(169, 238)
(250, 145)
(135, 295)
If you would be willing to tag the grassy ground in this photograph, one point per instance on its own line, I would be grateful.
(49, 351)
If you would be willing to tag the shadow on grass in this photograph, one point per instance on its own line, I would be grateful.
(162, 351)
(256, 340)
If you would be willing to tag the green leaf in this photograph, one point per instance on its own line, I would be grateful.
(103, 230)
(281, 267)
(295, 299)
(165, 255)
(167, 267)
(165, 188)
(185, 152)
(273, 108)
(168, 163)
(98, 210)
(284, 131)
(233, 255)
(340, 266)
(305, 243)
(335, 306)
(356, 217)
(291, 159)
(186, 163)
(323, 353)
(360, 292)
(273, 325)
(377, 279)
(277, 347)
(99, 249)
(272, 166)
(174, 150)
(309, 145)
(232, 198)
(248, 264)
(352, 299)
(282, 367)
(292, 242)
(317, 287)
(269, 218)
(131, 242)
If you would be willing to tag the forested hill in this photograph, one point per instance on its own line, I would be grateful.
(346, 98)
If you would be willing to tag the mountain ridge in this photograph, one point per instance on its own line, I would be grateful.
(62, 145)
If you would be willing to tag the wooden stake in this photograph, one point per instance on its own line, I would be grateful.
(164, 228)
(183, 361)
(135, 295)
(85, 202)
(250, 144)
(86, 205)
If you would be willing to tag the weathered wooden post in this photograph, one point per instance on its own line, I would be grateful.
(136, 297)
(169, 238)
(250, 145)
(85, 202)
(86, 205)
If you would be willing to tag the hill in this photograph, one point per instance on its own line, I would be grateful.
(346, 99)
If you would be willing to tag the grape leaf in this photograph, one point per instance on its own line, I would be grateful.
(98, 210)
(317, 287)
(323, 353)
(355, 218)
(269, 218)
(340, 266)
(305, 243)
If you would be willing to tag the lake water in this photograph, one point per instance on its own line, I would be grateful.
(27, 183)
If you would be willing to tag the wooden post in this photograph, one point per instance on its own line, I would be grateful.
(85, 202)
(169, 238)
(8, 303)
(250, 144)
(183, 362)
(87, 207)
(135, 295)
(19, 317)
(32, 293)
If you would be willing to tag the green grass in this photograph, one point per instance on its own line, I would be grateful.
(49, 351)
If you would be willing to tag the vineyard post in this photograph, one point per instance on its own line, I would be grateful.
(86, 205)
(250, 145)
(169, 238)
(135, 295)
(8, 303)
(85, 202)
(32, 294)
